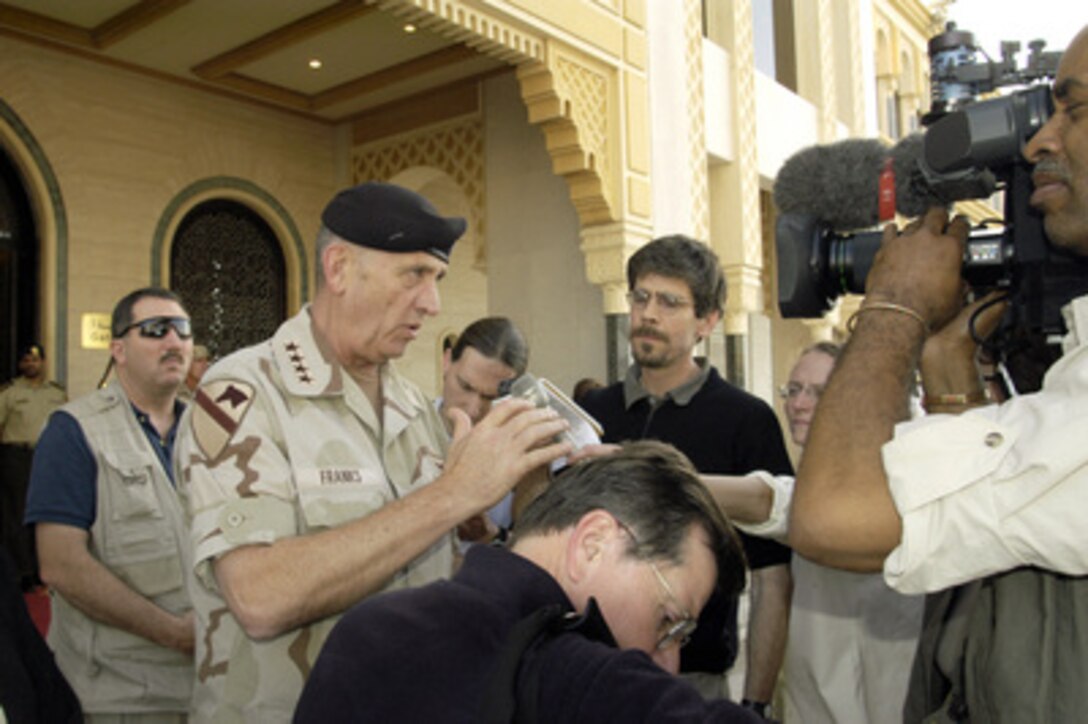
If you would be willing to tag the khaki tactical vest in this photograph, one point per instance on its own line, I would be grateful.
(139, 534)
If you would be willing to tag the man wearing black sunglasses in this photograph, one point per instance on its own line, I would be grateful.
(110, 528)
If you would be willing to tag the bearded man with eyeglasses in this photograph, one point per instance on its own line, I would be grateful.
(677, 295)
(110, 528)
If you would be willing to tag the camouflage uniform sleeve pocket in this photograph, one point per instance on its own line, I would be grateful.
(260, 519)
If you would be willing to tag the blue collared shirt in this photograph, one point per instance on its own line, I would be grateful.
(64, 465)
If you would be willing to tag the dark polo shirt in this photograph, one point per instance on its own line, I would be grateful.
(723, 430)
(428, 655)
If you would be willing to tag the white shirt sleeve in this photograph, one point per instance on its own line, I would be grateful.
(994, 488)
(776, 526)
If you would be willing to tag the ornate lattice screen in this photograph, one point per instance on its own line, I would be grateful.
(228, 267)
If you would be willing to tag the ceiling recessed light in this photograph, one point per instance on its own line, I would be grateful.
(409, 28)
(315, 64)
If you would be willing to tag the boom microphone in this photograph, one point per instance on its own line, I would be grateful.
(839, 183)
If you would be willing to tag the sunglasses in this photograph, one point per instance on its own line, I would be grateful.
(159, 327)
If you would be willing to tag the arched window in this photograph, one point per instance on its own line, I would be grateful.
(228, 267)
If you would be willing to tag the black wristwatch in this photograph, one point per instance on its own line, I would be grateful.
(759, 707)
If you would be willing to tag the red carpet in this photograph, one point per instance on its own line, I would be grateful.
(37, 602)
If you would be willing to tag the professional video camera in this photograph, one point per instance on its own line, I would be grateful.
(969, 149)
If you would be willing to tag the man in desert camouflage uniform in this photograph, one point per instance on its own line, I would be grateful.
(315, 472)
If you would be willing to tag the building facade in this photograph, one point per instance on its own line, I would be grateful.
(177, 144)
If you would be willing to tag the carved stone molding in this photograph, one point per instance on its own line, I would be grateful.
(578, 100)
(606, 248)
(696, 111)
(571, 97)
(739, 238)
(470, 25)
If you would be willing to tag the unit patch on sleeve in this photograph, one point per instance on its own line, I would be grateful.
(219, 409)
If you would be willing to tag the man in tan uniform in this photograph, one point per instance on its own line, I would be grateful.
(25, 404)
(27, 401)
(317, 475)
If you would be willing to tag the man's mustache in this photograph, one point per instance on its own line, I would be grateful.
(645, 331)
(1052, 168)
(172, 355)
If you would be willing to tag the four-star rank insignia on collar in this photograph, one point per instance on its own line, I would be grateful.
(218, 410)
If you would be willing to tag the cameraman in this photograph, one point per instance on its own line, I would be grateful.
(993, 498)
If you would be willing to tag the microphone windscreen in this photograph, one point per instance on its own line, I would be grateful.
(913, 193)
(838, 183)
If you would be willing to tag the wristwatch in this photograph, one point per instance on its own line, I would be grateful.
(761, 708)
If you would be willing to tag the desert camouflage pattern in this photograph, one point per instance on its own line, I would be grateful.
(279, 442)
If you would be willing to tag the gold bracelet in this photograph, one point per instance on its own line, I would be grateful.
(869, 306)
(956, 398)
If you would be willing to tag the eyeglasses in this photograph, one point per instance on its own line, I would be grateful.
(159, 327)
(676, 631)
(666, 302)
(793, 390)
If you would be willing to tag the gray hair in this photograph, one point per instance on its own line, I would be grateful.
(831, 349)
(325, 239)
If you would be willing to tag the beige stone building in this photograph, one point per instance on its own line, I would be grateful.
(193, 143)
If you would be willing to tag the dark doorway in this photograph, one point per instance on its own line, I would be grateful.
(19, 272)
(228, 267)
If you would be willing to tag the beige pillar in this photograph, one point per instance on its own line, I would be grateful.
(734, 187)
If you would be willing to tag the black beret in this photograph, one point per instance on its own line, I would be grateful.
(391, 218)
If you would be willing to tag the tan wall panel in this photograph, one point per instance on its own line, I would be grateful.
(635, 47)
(416, 112)
(635, 11)
(589, 22)
(640, 201)
(123, 146)
(637, 116)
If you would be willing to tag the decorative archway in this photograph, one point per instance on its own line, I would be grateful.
(51, 221)
(591, 107)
